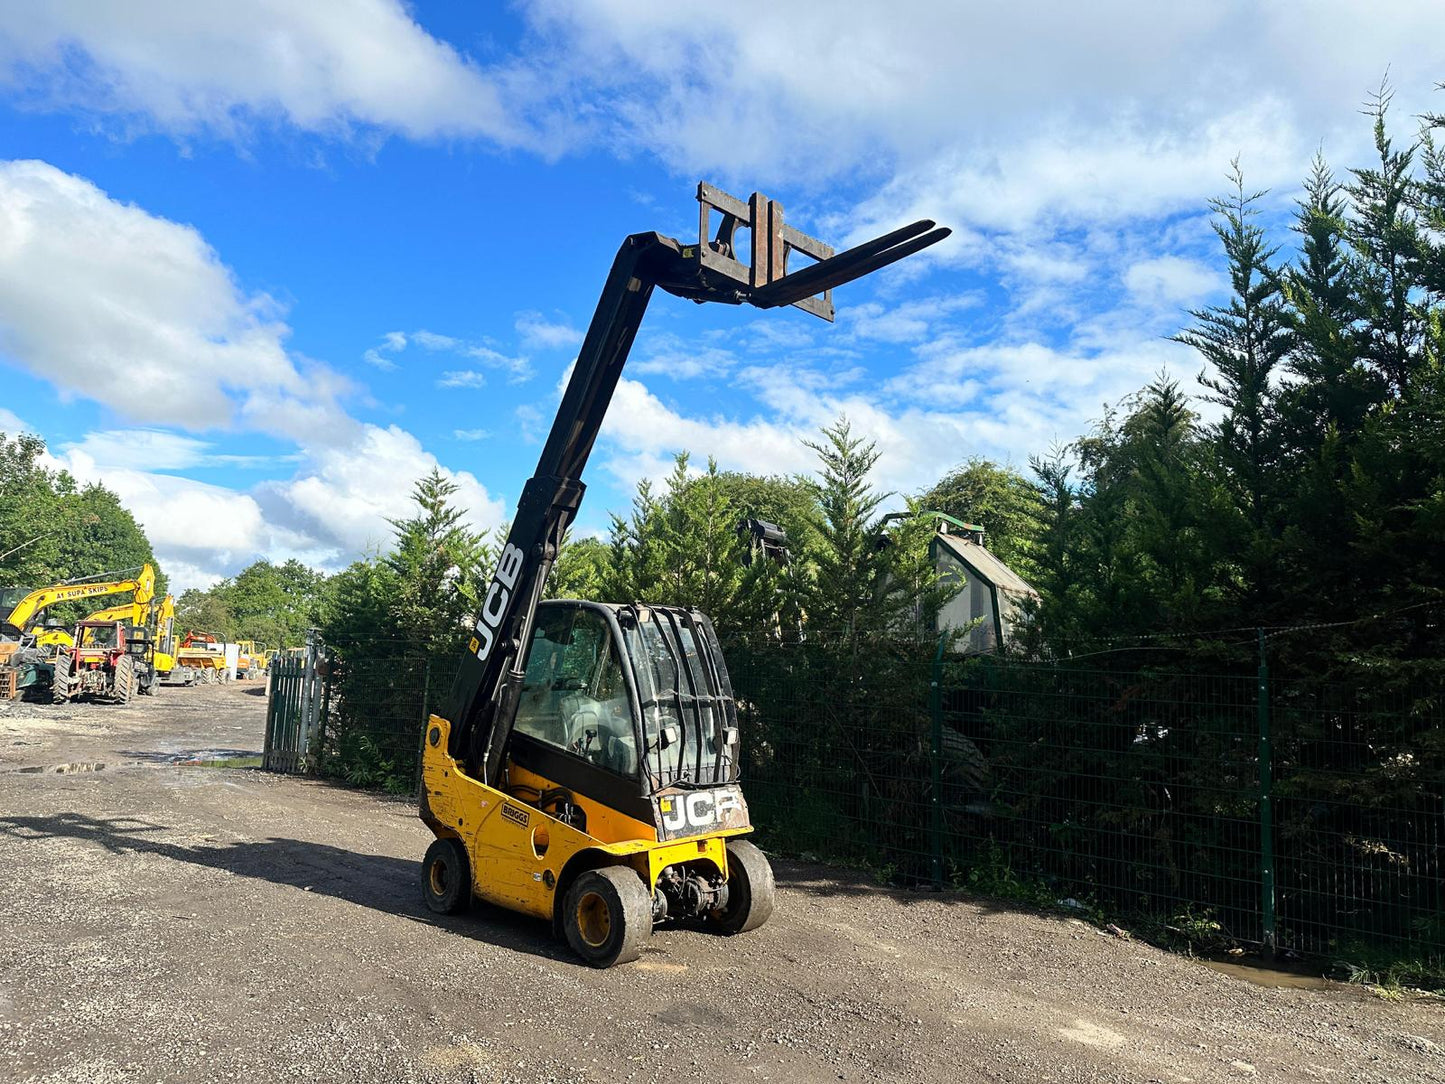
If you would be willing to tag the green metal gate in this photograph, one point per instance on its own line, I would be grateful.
(293, 710)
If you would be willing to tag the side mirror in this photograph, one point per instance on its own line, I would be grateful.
(667, 737)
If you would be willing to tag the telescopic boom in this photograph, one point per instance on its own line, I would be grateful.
(484, 695)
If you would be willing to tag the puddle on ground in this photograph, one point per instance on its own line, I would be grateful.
(199, 758)
(1260, 975)
(228, 762)
(64, 769)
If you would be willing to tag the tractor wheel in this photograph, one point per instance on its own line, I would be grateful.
(60, 680)
(124, 682)
(608, 916)
(965, 769)
(446, 876)
(750, 889)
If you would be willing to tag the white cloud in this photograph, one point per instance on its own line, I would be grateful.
(462, 378)
(385, 354)
(471, 434)
(682, 359)
(111, 303)
(114, 304)
(344, 496)
(206, 528)
(325, 66)
(882, 88)
(540, 333)
(11, 423)
(336, 507)
(160, 450)
(1172, 280)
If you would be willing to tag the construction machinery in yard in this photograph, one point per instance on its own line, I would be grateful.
(200, 659)
(250, 659)
(28, 648)
(586, 768)
(158, 618)
(110, 660)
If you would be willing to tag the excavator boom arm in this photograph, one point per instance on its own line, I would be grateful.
(144, 585)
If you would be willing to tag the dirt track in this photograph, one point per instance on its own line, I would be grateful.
(173, 922)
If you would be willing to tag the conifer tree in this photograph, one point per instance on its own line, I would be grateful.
(1243, 342)
(1385, 235)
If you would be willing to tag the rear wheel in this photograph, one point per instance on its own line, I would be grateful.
(446, 876)
(60, 680)
(607, 915)
(750, 889)
(124, 687)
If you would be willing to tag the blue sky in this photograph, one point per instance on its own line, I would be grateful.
(262, 264)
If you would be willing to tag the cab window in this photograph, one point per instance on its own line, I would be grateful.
(574, 696)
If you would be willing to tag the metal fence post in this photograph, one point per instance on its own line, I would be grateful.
(319, 747)
(425, 721)
(935, 711)
(1266, 809)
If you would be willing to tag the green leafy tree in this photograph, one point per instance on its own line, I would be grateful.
(685, 549)
(205, 611)
(866, 582)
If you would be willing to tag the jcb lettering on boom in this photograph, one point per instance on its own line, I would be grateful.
(498, 598)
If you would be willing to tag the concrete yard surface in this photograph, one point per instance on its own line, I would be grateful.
(169, 921)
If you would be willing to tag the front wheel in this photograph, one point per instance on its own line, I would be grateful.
(446, 876)
(608, 916)
(750, 889)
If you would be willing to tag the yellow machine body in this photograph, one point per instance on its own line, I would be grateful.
(523, 858)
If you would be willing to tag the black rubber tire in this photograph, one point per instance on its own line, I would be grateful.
(965, 769)
(446, 876)
(60, 681)
(607, 916)
(750, 889)
(124, 679)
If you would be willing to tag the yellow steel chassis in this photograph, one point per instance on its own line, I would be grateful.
(524, 859)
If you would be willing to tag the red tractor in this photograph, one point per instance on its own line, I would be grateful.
(110, 660)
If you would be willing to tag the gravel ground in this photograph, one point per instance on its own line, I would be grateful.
(173, 922)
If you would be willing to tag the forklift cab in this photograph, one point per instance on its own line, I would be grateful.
(629, 706)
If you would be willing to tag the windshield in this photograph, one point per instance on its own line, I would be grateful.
(689, 720)
(98, 636)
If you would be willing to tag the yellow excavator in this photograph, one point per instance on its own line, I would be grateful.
(21, 609)
(585, 769)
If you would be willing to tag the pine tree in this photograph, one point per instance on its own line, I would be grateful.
(1243, 342)
(1385, 235)
(1334, 389)
(436, 562)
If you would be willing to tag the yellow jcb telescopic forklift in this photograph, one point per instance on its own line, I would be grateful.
(586, 769)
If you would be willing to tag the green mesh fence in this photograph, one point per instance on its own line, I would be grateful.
(1227, 809)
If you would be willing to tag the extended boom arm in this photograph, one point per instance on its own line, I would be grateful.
(144, 586)
(484, 695)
